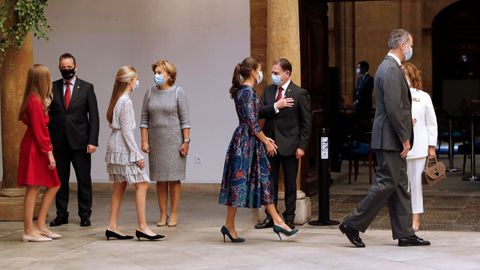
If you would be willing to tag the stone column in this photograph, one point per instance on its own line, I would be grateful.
(13, 74)
(283, 36)
(283, 40)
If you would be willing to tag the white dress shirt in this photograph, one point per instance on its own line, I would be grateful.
(396, 58)
(284, 87)
(72, 83)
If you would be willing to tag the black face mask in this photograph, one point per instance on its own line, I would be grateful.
(67, 74)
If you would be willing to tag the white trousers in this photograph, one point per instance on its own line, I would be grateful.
(415, 168)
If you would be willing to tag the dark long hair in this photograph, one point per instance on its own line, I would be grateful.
(241, 72)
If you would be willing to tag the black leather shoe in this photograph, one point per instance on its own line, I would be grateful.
(352, 235)
(412, 241)
(117, 236)
(85, 222)
(58, 221)
(267, 223)
(290, 224)
(281, 231)
(141, 235)
(224, 230)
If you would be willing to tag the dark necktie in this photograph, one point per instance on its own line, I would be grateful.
(279, 95)
(67, 95)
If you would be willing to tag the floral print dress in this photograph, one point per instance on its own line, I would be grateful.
(246, 174)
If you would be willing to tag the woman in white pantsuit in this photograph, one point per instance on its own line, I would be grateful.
(425, 134)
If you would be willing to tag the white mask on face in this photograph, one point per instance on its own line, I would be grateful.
(260, 77)
(136, 85)
(357, 71)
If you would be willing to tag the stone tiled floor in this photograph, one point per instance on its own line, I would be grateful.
(196, 242)
(452, 205)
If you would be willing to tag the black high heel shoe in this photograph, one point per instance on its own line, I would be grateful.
(140, 234)
(109, 234)
(280, 230)
(226, 232)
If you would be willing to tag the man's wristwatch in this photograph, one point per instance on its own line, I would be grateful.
(186, 141)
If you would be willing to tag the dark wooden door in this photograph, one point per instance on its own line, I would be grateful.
(314, 68)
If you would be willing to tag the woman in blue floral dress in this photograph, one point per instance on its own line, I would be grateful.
(246, 175)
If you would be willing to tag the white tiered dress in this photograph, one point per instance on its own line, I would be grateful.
(122, 151)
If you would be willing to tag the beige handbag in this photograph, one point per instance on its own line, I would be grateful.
(434, 172)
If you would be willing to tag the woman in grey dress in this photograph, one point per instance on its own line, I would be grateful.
(125, 164)
(165, 128)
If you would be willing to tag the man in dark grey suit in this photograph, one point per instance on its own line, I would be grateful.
(392, 137)
(288, 120)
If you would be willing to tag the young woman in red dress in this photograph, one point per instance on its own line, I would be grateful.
(37, 165)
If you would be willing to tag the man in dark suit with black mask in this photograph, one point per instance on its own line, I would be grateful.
(288, 119)
(74, 127)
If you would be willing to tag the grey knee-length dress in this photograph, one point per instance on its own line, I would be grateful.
(165, 114)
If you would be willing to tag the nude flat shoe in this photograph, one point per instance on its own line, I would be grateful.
(51, 235)
(30, 238)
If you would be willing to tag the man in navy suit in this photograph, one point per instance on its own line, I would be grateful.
(362, 101)
(288, 120)
(74, 127)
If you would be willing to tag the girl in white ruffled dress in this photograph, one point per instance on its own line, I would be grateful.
(125, 163)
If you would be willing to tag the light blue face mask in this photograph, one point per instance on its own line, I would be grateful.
(276, 79)
(409, 54)
(158, 79)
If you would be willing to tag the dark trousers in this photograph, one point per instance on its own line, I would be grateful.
(290, 168)
(389, 188)
(82, 163)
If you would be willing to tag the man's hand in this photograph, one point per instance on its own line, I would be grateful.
(299, 153)
(91, 149)
(284, 102)
(406, 148)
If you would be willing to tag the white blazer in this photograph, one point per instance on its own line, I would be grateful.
(425, 129)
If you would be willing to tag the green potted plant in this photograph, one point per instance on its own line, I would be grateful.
(17, 19)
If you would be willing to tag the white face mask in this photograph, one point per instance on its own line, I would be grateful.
(260, 77)
(357, 71)
(136, 85)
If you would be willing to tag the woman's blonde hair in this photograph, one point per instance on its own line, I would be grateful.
(39, 82)
(122, 79)
(169, 68)
(414, 75)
